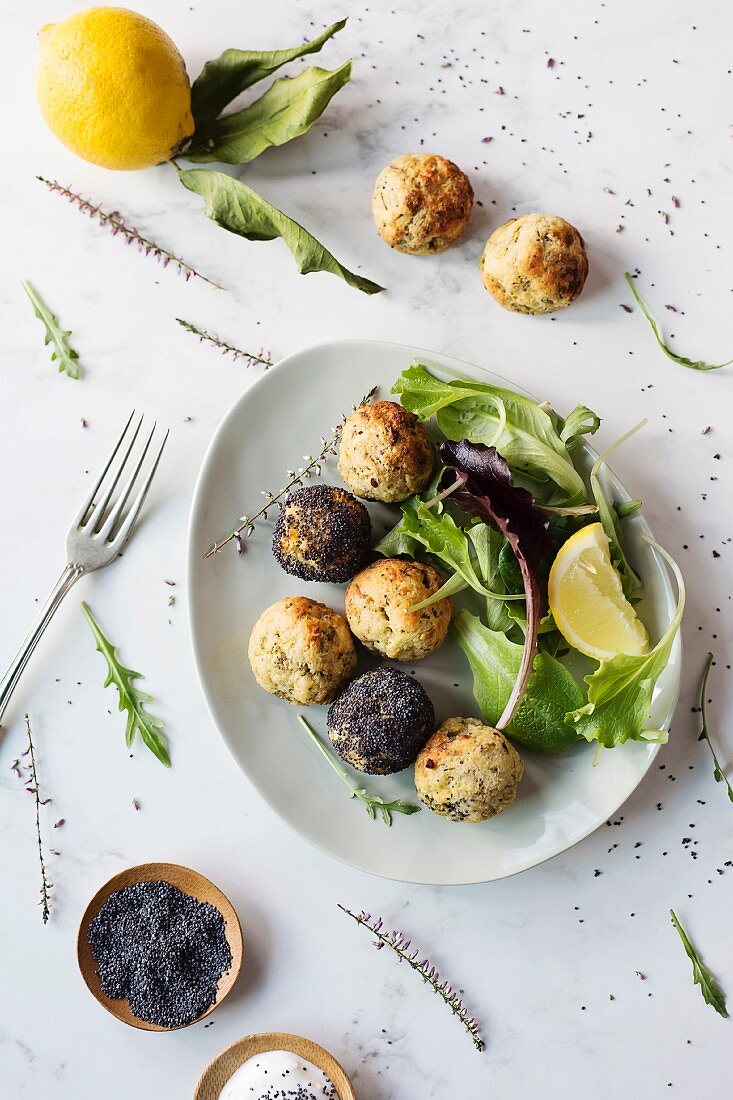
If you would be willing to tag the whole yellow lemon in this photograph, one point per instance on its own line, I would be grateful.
(113, 88)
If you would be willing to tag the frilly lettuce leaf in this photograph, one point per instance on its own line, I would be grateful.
(520, 429)
(620, 690)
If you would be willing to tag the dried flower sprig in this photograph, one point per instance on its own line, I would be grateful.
(718, 773)
(312, 468)
(63, 353)
(264, 357)
(401, 947)
(693, 364)
(372, 802)
(116, 224)
(33, 789)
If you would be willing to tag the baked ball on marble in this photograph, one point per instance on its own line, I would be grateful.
(302, 651)
(534, 264)
(467, 771)
(421, 203)
(381, 721)
(385, 452)
(322, 533)
(377, 609)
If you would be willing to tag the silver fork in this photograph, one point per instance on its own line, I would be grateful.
(97, 535)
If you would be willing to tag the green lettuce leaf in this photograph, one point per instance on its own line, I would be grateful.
(610, 518)
(539, 720)
(236, 207)
(581, 421)
(620, 690)
(221, 80)
(520, 429)
(286, 110)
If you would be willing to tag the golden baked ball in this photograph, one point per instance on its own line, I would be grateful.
(534, 264)
(322, 533)
(467, 771)
(385, 452)
(302, 651)
(421, 203)
(377, 602)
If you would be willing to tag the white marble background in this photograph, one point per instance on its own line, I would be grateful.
(638, 102)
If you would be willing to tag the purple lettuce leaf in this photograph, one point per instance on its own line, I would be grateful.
(485, 491)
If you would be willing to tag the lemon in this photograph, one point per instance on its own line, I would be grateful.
(113, 88)
(587, 600)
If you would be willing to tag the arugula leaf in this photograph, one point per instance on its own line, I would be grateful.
(131, 698)
(236, 207)
(698, 364)
(286, 110)
(620, 690)
(718, 773)
(222, 79)
(520, 429)
(62, 349)
(539, 721)
(711, 991)
(372, 802)
(610, 515)
(581, 421)
(490, 546)
(486, 491)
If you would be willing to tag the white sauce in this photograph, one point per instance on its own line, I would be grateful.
(278, 1073)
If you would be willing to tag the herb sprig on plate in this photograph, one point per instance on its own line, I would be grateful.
(372, 802)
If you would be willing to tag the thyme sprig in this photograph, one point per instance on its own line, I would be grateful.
(63, 353)
(372, 802)
(312, 468)
(116, 224)
(34, 789)
(718, 773)
(397, 942)
(698, 364)
(264, 357)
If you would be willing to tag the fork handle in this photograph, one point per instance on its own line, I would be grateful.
(68, 578)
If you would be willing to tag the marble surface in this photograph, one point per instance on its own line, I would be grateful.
(631, 122)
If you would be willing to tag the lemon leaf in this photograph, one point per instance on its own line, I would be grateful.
(286, 110)
(236, 207)
(222, 79)
(620, 690)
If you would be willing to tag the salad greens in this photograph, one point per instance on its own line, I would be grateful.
(54, 335)
(551, 690)
(498, 541)
(693, 364)
(718, 774)
(620, 690)
(522, 431)
(711, 991)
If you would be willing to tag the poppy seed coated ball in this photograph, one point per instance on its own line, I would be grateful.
(322, 533)
(381, 721)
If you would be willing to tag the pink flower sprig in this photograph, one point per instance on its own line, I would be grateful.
(264, 357)
(117, 226)
(397, 942)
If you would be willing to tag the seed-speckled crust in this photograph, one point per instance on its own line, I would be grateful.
(467, 771)
(302, 651)
(421, 203)
(377, 602)
(385, 452)
(534, 264)
(322, 533)
(381, 721)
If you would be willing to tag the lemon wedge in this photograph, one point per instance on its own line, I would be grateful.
(587, 600)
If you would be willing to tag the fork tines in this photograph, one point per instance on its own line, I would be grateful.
(103, 514)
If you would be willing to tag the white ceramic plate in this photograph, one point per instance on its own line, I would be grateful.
(561, 799)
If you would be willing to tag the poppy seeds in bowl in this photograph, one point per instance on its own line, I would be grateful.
(381, 721)
(322, 533)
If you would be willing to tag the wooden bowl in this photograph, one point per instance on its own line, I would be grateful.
(189, 882)
(218, 1072)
